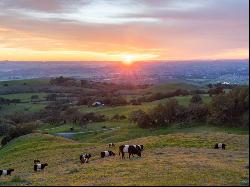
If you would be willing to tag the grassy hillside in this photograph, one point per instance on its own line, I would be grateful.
(174, 159)
(126, 110)
(24, 97)
(172, 87)
(176, 154)
(28, 82)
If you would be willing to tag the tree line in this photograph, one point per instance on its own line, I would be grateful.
(231, 109)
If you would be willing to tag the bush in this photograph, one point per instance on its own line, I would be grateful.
(230, 108)
(21, 130)
(118, 117)
(4, 129)
(196, 99)
(5, 140)
(197, 112)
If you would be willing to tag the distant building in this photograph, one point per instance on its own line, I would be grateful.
(97, 104)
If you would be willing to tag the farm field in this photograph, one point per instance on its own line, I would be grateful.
(175, 154)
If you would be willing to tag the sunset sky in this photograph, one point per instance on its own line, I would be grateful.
(123, 30)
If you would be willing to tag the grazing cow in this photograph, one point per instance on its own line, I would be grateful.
(107, 154)
(85, 158)
(140, 147)
(111, 145)
(6, 172)
(130, 149)
(36, 161)
(39, 167)
(220, 146)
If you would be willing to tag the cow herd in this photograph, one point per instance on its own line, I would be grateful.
(84, 158)
(130, 149)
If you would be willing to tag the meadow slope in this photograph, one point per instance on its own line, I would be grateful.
(172, 159)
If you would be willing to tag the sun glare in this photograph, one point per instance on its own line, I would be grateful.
(128, 59)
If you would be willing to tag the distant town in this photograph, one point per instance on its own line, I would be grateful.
(203, 72)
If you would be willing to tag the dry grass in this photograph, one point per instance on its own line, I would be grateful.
(174, 159)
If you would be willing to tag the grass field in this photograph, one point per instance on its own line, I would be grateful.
(26, 104)
(21, 107)
(173, 159)
(172, 87)
(24, 97)
(28, 82)
(126, 110)
(179, 154)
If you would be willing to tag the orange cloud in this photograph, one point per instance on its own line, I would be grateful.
(101, 30)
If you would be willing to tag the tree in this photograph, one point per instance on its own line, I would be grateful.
(51, 97)
(215, 91)
(210, 85)
(197, 112)
(34, 98)
(158, 114)
(230, 107)
(197, 99)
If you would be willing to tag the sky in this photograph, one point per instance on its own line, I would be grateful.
(123, 30)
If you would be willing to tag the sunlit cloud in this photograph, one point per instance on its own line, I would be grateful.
(110, 30)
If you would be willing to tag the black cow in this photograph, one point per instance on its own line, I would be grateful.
(6, 172)
(85, 158)
(130, 149)
(107, 154)
(39, 167)
(111, 145)
(220, 146)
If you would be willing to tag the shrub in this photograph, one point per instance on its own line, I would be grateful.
(20, 130)
(196, 99)
(230, 108)
(5, 140)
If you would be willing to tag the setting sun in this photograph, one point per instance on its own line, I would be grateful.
(128, 59)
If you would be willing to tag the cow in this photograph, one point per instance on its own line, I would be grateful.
(85, 158)
(36, 161)
(6, 172)
(130, 149)
(220, 146)
(107, 154)
(39, 167)
(140, 147)
(111, 145)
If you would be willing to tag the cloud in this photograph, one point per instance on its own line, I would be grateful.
(164, 28)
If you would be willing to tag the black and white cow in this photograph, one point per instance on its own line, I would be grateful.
(140, 147)
(220, 146)
(36, 161)
(85, 158)
(111, 145)
(39, 167)
(130, 149)
(6, 172)
(107, 154)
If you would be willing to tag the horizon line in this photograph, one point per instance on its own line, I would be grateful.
(194, 60)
